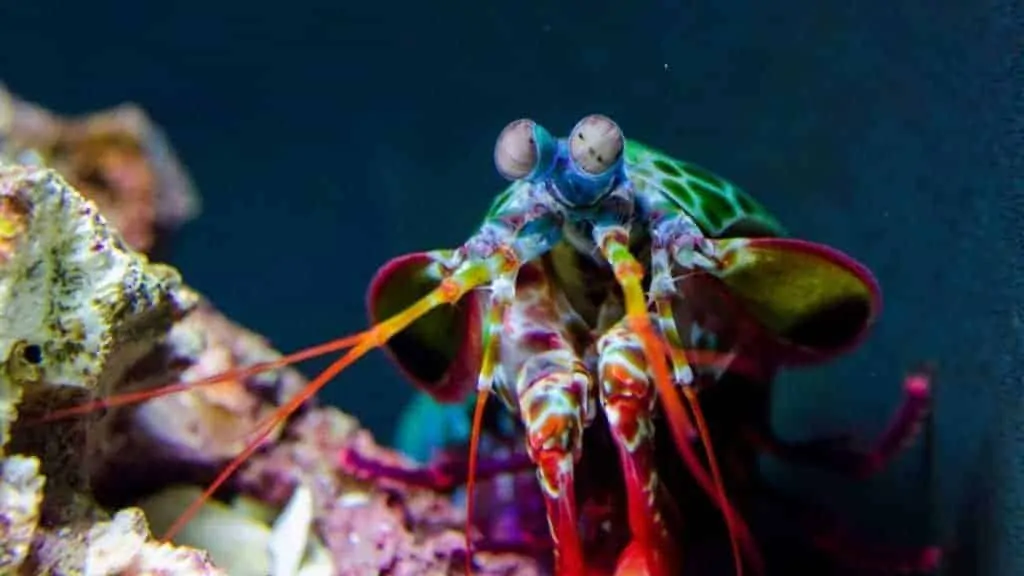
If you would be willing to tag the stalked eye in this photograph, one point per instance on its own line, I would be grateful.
(515, 153)
(595, 144)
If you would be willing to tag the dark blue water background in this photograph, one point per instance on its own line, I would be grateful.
(329, 136)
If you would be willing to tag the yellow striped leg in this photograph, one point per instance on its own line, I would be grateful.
(663, 290)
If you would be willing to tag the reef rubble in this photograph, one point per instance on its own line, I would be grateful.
(118, 158)
(85, 314)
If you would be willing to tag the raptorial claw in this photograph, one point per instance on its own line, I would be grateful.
(613, 241)
(628, 400)
(549, 388)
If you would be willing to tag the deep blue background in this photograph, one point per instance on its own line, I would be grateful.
(329, 136)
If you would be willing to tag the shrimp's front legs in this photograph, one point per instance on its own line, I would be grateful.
(554, 397)
(553, 390)
(678, 245)
(628, 400)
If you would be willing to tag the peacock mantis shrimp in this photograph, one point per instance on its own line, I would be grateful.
(607, 287)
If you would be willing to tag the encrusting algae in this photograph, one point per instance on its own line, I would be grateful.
(77, 309)
(85, 313)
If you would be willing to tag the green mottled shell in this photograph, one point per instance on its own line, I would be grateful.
(720, 208)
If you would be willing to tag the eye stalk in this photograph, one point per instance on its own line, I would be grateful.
(596, 144)
(515, 153)
(524, 150)
(577, 171)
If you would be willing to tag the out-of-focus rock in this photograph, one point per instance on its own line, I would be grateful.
(237, 541)
(244, 538)
(355, 526)
(190, 434)
(211, 424)
(369, 528)
(121, 547)
(117, 157)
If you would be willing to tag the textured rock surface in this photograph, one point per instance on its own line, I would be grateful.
(191, 433)
(21, 493)
(77, 306)
(209, 424)
(370, 528)
(359, 527)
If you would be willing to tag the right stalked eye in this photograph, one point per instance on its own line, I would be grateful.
(516, 152)
(596, 144)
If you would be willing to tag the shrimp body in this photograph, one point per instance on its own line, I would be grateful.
(604, 284)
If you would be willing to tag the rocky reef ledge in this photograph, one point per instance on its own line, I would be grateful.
(87, 312)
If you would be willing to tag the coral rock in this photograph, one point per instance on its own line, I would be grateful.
(122, 546)
(21, 492)
(244, 538)
(77, 307)
(210, 424)
(368, 528)
(118, 158)
(199, 428)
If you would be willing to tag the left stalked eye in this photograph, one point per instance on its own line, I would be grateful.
(595, 144)
(515, 152)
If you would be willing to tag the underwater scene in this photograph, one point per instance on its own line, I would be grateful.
(521, 289)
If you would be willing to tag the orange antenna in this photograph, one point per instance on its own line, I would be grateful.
(449, 291)
(474, 451)
(727, 511)
(266, 427)
(494, 323)
(126, 398)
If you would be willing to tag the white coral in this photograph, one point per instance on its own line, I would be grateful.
(21, 492)
(73, 290)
